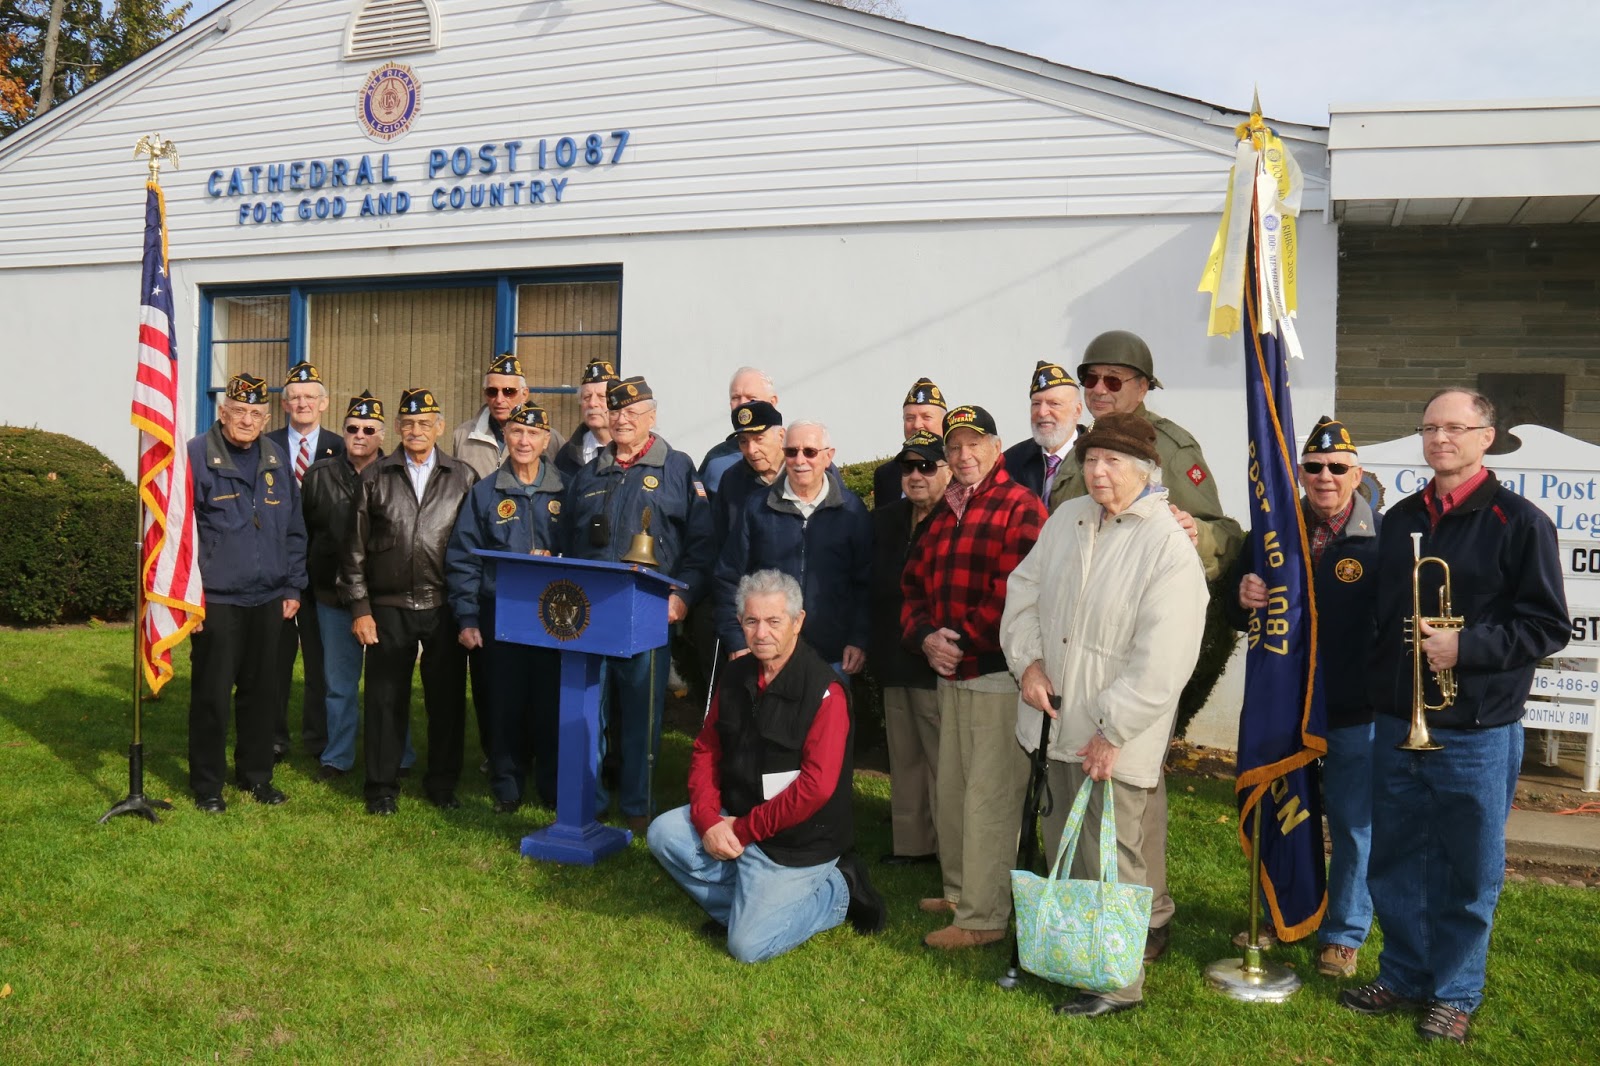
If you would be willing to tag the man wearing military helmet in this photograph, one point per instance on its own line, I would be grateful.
(1116, 374)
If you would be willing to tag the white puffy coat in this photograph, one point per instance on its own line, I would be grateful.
(1115, 611)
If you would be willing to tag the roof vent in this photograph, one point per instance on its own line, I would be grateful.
(384, 28)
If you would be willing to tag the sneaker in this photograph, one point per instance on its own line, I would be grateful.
(1375, 998)
(867, 911)
(1442, 1022)
(1336, 960)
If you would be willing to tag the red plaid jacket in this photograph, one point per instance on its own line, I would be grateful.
(956, 578)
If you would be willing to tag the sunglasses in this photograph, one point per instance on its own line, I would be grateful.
(1337, 469)
(1111, 381)
(365, 431)
(508, 391)
(918, 466)
(809, 453)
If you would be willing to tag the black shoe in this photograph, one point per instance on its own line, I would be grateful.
(1092, 1006)
(1443, 1022)
(866, 911)
(265, 793)
(210, 804)
(506, 806)
(1156, 941)
(1373, 998)
(892, 859)
(445, 801)
(328, 772)
(402, 773)
(386, 805)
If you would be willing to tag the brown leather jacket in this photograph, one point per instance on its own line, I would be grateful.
(394, 555)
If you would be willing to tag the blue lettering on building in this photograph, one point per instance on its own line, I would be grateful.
(367, 174)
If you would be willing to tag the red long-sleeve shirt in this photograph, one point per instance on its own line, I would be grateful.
(821, 759)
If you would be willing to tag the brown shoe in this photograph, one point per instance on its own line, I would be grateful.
(1156, 941)
(936, 905)
(1336, 960)
(639, 824)
(954, 938)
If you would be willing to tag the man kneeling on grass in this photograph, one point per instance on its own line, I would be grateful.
(766, 844)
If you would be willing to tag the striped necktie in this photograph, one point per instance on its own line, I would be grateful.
(302, 460)
(1051, 463)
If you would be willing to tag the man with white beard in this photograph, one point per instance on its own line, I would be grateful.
(1054, 406)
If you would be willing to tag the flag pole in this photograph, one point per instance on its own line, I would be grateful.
(1252, 979)
(136, 801)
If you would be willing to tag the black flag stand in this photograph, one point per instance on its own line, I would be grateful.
(136, 801)
(1034, 804)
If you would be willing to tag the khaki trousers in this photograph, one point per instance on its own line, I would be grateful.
(983, 773)
(1138, 852)
(911, 722)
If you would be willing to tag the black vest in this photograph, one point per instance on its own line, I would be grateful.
(763, 732)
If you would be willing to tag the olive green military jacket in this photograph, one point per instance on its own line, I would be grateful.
(1190, 487)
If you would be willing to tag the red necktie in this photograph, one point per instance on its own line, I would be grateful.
(302, 460)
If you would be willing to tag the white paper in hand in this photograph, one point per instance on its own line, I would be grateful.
(772, 784)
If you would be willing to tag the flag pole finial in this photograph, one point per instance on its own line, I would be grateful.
(1255, 101)
(157, 149)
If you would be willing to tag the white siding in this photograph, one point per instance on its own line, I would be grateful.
(734, 125)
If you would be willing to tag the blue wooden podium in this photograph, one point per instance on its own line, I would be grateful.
(585, 609)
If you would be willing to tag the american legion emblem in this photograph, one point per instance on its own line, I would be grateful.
(388, 102)
(651, 481)
(564, 610)
(507, 509)
(1348, 570)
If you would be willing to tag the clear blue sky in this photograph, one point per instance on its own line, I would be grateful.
(1304, 56)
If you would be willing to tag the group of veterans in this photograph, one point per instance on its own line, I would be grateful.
(1066, 576)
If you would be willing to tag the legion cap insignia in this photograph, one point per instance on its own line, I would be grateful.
(418, 402)
(506, 364)
(1329, 435)
(599, 370)
(744, 416)
(302, 373)
(623, 393)
(247, 388)
(365, 406)
(531, 414)
(1048, 375)
(923, 391)
(388, 102)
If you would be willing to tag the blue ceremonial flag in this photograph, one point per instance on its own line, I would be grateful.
(1252, 279)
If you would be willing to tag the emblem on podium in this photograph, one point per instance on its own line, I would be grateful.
(564, 610)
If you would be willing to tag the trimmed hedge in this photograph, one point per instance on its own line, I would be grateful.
(67, 530)
(858, 477)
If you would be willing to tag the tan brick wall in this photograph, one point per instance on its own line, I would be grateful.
(1422, 307)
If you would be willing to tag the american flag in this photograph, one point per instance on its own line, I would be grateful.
(169, 562)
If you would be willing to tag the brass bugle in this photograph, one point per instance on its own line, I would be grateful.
(1419, 739)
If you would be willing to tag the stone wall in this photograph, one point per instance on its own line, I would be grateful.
(1422, 307)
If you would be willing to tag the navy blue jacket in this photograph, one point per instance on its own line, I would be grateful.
(252, 538)
(830, 554)
(738, 484)
(501, 514)
(1505, 581)
(886, 483)
(662, 479)
(718, 461)
(1346, 582)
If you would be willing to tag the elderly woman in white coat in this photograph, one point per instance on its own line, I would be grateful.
(1107, 612)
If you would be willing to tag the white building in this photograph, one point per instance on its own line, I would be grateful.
(848, 201)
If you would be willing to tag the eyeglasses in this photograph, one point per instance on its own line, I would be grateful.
(809, 453)
(247, 415)
(1454, 429)
(919, 466)
(508, 391)
(1110, 381)
(366, 431)
(1337, 469)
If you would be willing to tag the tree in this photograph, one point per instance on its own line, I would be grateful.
(91, 41)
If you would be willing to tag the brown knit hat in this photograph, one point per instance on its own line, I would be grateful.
(1129, 434)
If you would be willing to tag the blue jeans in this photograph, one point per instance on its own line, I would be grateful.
(769, 909)
(1439, 856)
(342, 656)
(637, 695)
(1347, 801)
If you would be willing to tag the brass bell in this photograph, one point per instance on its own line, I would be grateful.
(642, 550)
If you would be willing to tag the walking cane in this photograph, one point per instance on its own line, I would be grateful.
(1036, 801)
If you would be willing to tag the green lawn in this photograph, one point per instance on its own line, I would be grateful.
(315, 933)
